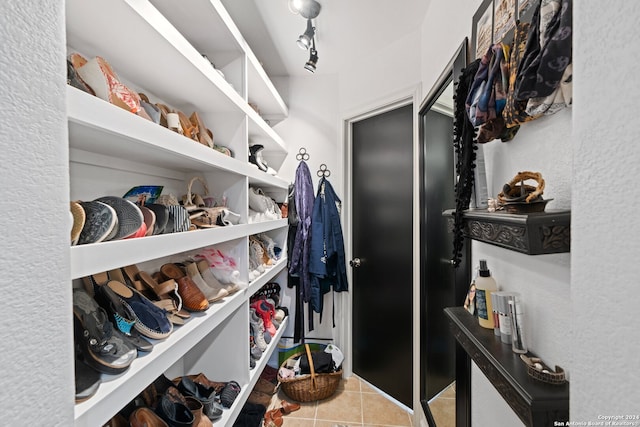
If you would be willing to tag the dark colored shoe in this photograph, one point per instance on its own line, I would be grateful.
(101, 348)
(121, 317)
(151, 321)
(229, 393)
(87, 379)
(130, 217)
(173, 408)
(255, 156)
(211, 407)
(145, 417)
(100, 221)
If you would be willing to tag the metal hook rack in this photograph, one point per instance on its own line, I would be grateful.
(323, 171)
(302, 154)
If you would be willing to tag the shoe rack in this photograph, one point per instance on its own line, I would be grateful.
(157, 47)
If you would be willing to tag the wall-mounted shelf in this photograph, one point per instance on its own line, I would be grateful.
(535, 403)
(532, 234)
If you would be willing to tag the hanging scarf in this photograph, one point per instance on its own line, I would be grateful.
(515, 112)
(548, 51)
(463, 134)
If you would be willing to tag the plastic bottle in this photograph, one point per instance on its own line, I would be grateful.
(516, 313)
(485, 284)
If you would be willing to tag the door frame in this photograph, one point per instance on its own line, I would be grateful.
(401, 98)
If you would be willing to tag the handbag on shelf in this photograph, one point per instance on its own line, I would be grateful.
(192, 201)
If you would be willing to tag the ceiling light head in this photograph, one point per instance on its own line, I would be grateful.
(310, 66)
(304, 41)
(309, 9)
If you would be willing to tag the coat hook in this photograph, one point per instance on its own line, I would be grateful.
(323, 171)
(302, 154)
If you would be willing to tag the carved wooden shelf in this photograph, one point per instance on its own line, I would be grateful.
(532, 234)
(535, 403)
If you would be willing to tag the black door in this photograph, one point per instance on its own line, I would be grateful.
(382, 197)
(437, 274)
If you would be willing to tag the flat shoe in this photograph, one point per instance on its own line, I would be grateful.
(100, 221)
(130, 217)
(149, 219)
(162, 216)
(79, 218)
(151, 321)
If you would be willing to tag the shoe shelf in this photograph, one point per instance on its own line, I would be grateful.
(268, 275)
(104, 256)
(229, 416)
(115, 392)
(157, 47)
(98, 127)
(162, 62)
(221, 43)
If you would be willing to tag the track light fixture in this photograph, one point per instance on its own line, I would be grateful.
(309, 9)
(304, 41)
(310, 66)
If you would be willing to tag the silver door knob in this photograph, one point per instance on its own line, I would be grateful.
(356, 262)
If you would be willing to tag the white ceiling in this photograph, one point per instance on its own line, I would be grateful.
(344, 29)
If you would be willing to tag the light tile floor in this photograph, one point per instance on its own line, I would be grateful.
(443, 407)
(354, 404)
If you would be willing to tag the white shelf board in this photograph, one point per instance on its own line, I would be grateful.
(259, 178)
(264, 226)
(262, 92)
(157, 57)
(116, 391)
(230, 416)
(268, 275)
(104, 256)
(223, 35)
(99, 127)
(205, 23)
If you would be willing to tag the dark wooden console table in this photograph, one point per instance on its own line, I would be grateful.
(536, 403)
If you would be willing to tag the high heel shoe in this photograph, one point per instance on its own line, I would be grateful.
(75, 80)
(255, 156)
(99, 75)
(205, 137)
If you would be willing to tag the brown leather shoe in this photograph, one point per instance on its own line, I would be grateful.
(145, 417)
(273, 418)
(196, 408)
(289, 407)
(192, 298)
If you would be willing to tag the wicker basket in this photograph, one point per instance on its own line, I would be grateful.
(310, 387)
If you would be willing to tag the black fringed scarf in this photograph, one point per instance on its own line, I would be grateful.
(463, 143)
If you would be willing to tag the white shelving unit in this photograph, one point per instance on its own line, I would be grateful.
(156, 47)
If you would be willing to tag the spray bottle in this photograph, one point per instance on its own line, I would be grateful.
(485, 284)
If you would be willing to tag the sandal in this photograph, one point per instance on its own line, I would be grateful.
(163, 295)
(169, 119)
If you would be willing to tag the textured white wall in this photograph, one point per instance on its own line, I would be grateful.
(605, 342)
(36, 335)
